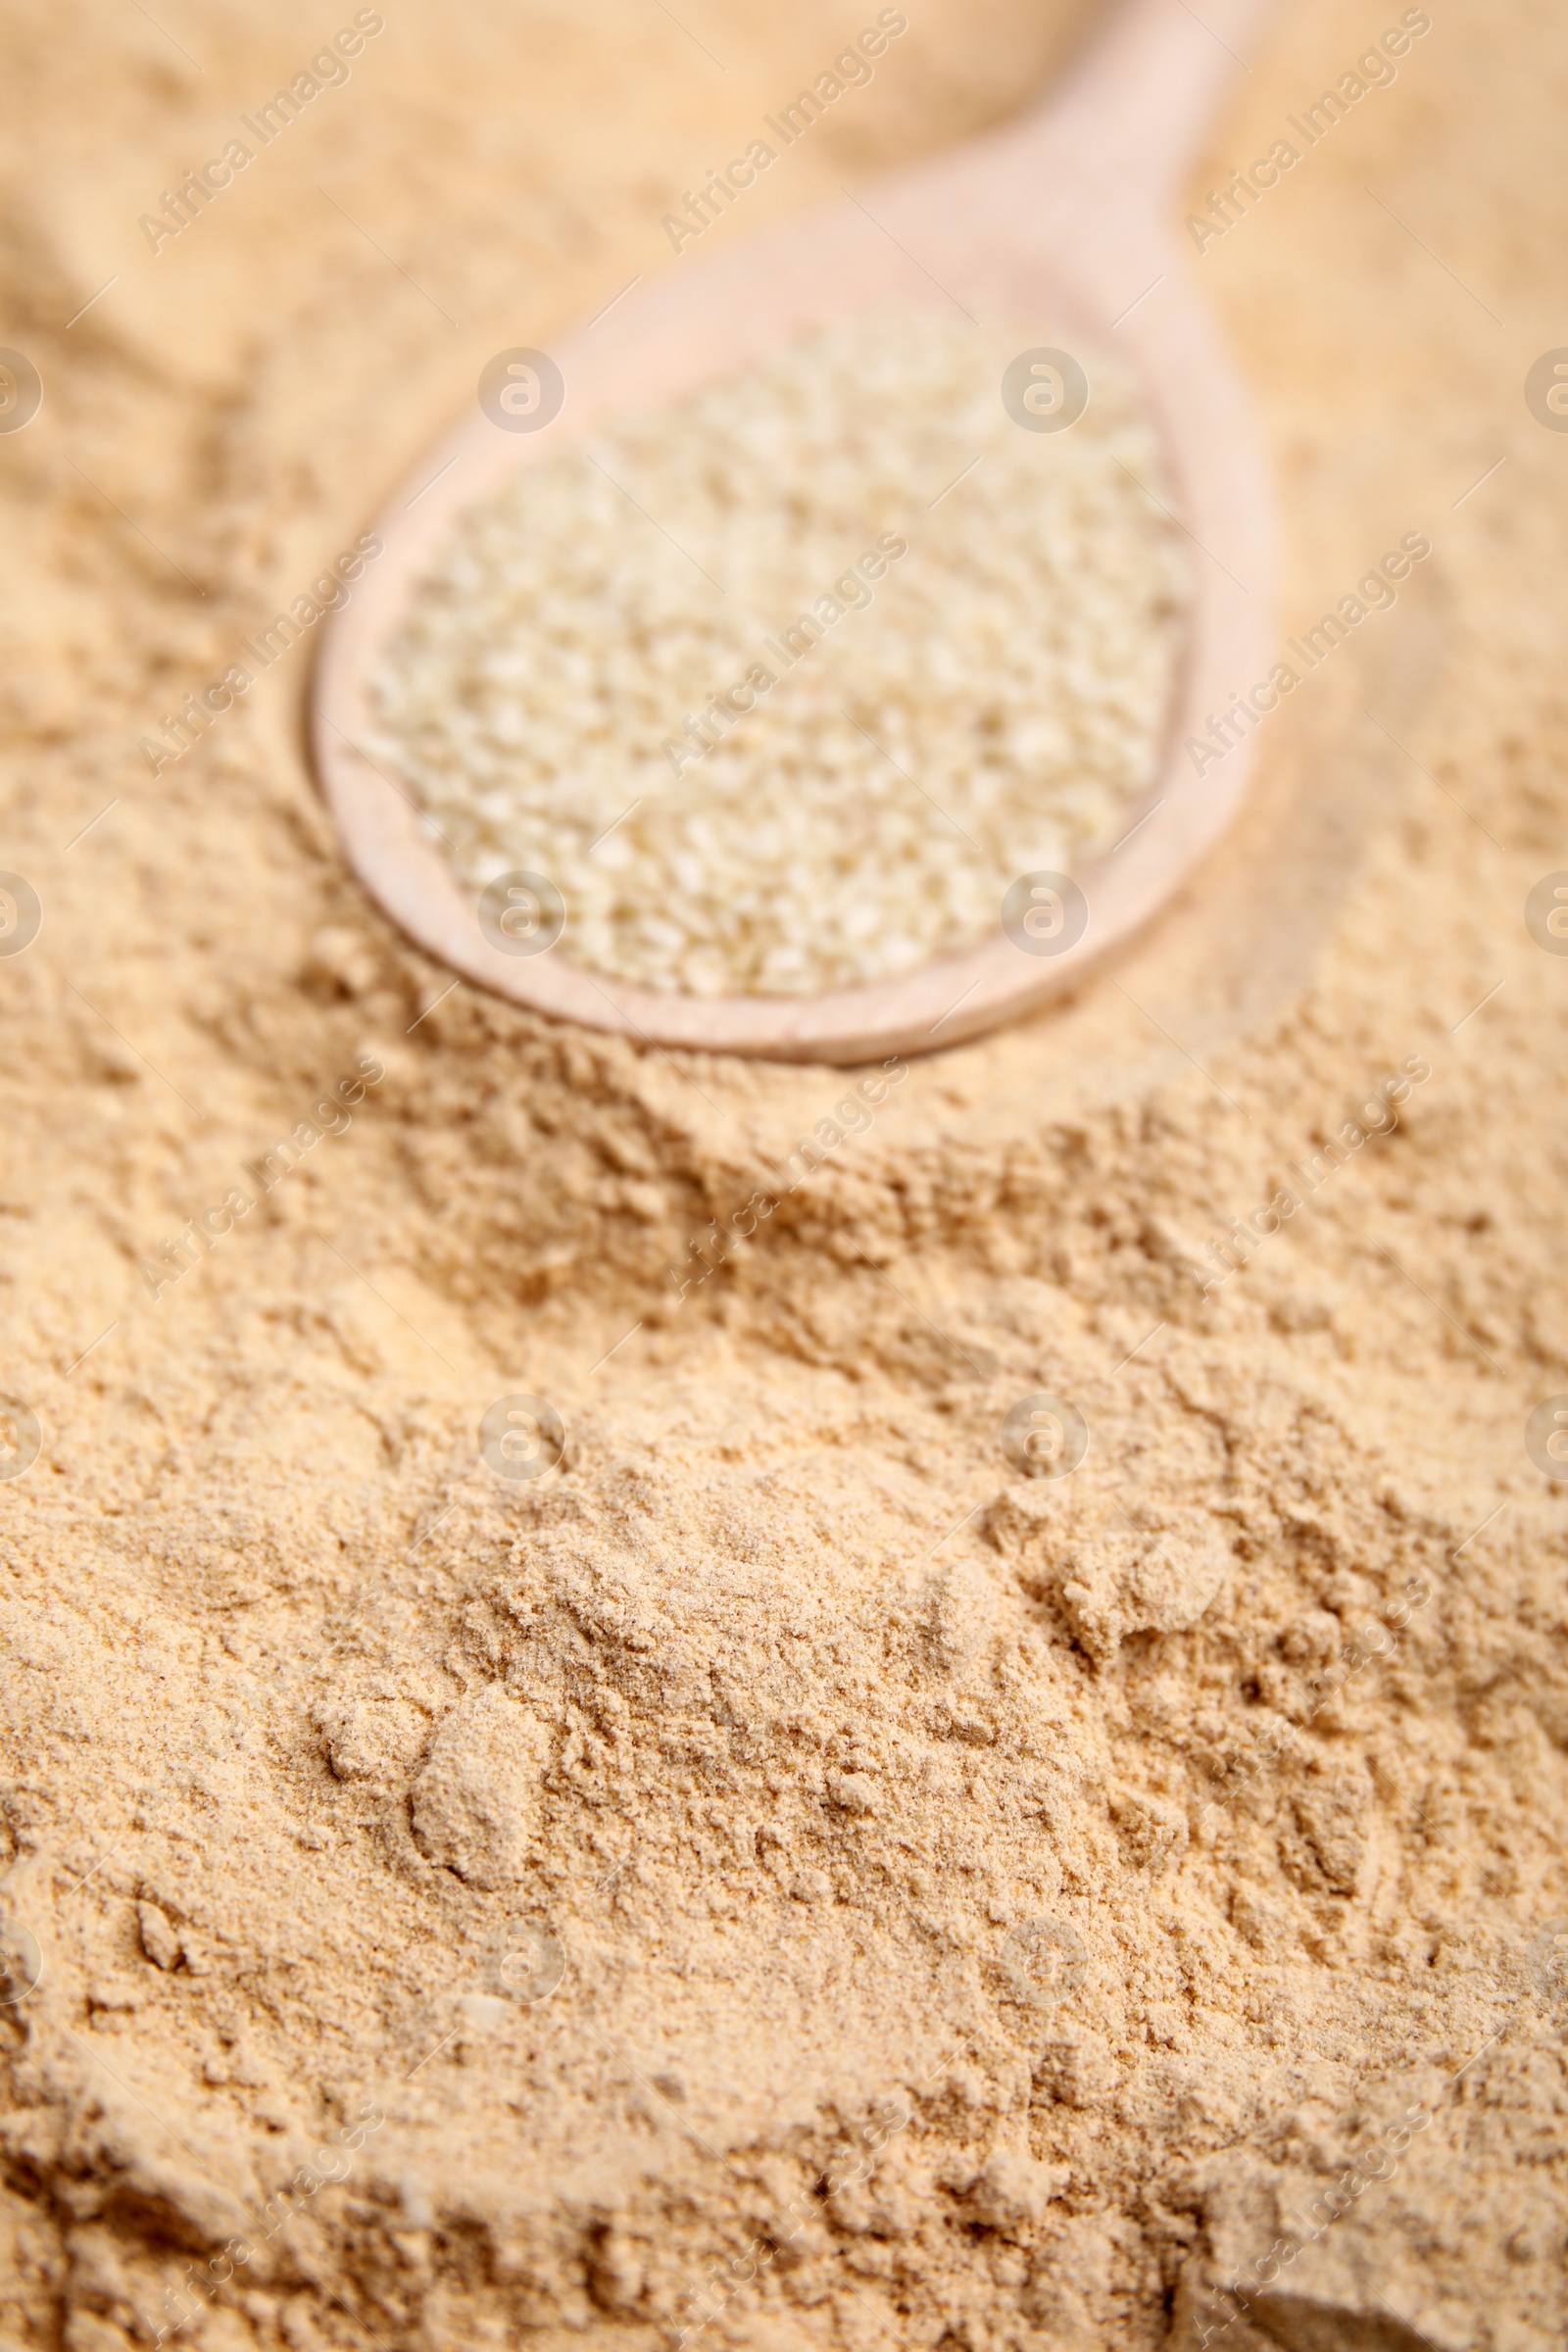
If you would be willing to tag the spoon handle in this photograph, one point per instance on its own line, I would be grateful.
(1130, 114)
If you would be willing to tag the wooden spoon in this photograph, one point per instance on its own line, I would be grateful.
(1064, 217)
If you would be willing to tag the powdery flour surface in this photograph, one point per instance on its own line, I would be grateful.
(787, 1877)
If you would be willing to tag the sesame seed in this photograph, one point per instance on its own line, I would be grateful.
(861, 648)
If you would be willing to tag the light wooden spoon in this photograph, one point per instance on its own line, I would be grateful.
(1064, 218)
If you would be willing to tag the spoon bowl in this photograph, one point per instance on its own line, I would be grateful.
(1061, 219)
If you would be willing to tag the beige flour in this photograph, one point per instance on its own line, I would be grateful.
(787, 1879)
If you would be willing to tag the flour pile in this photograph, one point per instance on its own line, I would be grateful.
(787, 1880)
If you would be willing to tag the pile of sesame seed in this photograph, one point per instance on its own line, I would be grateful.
(782, 685)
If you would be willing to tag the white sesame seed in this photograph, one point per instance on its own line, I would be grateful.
(988, 703)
